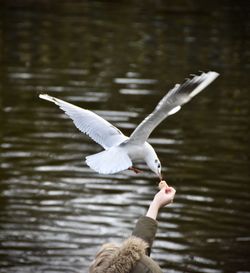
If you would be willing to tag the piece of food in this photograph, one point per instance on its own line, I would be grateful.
(162, 184)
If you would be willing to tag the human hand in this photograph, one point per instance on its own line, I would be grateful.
(165, 196)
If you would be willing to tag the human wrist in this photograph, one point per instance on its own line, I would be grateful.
(155, 203)
(153, 210)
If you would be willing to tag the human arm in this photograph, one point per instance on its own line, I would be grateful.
(164, 197)
(146, 226)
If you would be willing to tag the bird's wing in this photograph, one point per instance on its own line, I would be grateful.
(97, 128)
(171, 103)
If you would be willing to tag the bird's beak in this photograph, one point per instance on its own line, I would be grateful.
(160, 176)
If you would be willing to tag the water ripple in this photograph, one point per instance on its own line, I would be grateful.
(55, 211)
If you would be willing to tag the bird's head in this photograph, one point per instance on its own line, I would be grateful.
(154, 163)
(157, 168)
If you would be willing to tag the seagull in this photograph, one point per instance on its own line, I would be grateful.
(120, 151)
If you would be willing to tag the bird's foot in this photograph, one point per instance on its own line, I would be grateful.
(135, 170)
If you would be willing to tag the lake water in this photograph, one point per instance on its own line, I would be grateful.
(118, 58)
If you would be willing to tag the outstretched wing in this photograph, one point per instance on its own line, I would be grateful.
(97, 128)
(171, 103)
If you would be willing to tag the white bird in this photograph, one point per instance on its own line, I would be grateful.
(121, 151)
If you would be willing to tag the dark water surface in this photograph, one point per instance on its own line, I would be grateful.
(118, 58)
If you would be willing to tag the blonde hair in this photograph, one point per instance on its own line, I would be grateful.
(102, 256)
(114, 259)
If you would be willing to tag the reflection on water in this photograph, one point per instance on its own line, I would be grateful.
(118, 59)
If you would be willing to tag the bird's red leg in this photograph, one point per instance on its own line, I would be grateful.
(135, 170)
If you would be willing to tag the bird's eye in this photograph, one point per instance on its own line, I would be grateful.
(158, 163)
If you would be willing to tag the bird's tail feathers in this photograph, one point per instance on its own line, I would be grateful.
(110, 161)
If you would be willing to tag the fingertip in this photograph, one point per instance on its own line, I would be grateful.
(168, 189)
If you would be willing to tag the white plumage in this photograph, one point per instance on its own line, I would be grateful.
(120, 150)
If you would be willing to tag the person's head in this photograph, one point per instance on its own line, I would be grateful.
(112, 258)
(102, 257)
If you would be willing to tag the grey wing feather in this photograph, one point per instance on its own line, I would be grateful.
(97, 128)
(171, 103)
